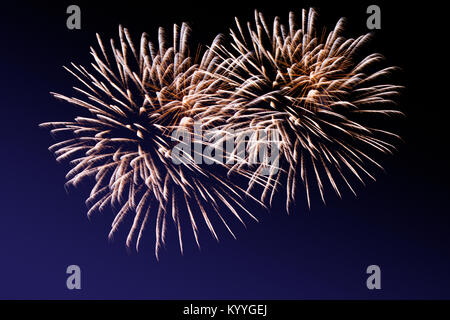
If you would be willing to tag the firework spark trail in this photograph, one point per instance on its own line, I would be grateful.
(136, 97)
(311, 94)
(314, 93)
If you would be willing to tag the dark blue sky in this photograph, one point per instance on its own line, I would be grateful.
(400, 222)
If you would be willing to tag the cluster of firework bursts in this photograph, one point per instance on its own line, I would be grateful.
(312, 88)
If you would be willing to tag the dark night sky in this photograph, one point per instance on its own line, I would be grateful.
(400, 222)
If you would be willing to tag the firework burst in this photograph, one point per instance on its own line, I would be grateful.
(313, 91)
(135, 98)
(320, 102)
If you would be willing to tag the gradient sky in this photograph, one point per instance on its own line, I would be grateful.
(401, 222)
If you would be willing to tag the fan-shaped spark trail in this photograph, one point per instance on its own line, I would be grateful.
(312, 90)
(135, 98)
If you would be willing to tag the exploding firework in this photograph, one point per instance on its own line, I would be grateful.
(313, 91)
(320, 103)
(135, 99)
